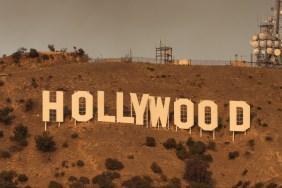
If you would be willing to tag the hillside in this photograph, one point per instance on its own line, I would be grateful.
(97, 141)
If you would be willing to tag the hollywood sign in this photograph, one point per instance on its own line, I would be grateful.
(158, 109)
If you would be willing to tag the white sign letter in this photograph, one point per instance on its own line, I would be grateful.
(58, 106)
(88, 106)
(139, 108)
(159, 111)
(239, 122)
(101, 109)
(120, 117)
(207, 110)
(190, 113)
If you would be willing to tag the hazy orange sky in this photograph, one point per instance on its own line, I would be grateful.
(196, 29)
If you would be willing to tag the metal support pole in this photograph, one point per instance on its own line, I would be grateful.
(233, 136)
(201, 132)
(277, 16)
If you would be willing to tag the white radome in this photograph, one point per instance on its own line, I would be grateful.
(269, 51)
(255, 38)
(277, 52)
(255, 44)
(263, 52)
(276, 44)
(256, 51)
(262, 43)
(269, 43)
(262, 36)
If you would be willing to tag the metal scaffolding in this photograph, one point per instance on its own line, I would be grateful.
(164, 54)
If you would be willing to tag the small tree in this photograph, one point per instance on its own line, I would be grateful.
(45, 143)
(114, 164)
(196, 170)
(21, 134)
(16, 56)
(150, 141)
(51, 47)
(80, 52)
(33, 53)
(54, 184)
(170, 143)
(156, 168)
(7, 179)
(28, 105)
(22, 50)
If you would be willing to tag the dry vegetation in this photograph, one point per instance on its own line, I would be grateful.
(107, 155)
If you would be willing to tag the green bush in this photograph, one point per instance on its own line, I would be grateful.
(156, 168)
(33, 83)
(272, 185)
(196, 171)
(170, 143)
(113, 164)
(259, 185)
(190, 142)
(54, 184)
(1, 134)
(74, 135)
(233, 155)
(51, 47)
(22, 178)
(28, 105)
(106, 179)
(207, 158)
(80, 52)
(5, 154)
(5, 116)
(45, 57)
(84, 180)
(33, 53)
(2, 83)
(80, 163)
(150, 141)
(65, 145)
(173, 183)
(21, 134)
(138, 182)
(45, 143)
(268, 138)
(211, 145)
(8, 100)
(198, 148)
(181, 152)
(72, 179)
(7, 179)
(17, 57)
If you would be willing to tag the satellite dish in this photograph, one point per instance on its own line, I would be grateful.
(262, 36)
(277, 52)
(262, 43)
(255, 44)
(256, 51)
(263, 52)
(269, 51)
